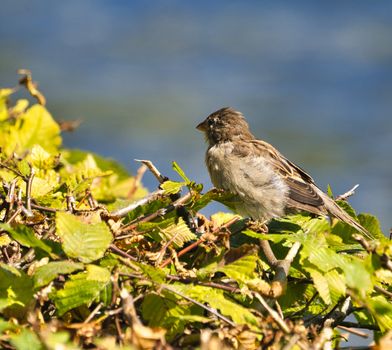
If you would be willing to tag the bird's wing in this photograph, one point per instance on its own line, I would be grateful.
(302, 189)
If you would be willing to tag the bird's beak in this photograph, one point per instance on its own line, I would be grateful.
(202, 126)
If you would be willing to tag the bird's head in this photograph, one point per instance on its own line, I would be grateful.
(226, 124)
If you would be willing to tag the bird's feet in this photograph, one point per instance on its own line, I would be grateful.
(257, 226)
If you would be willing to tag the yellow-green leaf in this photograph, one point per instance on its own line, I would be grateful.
(81, 239)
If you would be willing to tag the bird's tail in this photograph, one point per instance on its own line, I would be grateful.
(335, 210)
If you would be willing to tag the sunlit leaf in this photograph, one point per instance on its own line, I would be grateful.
(180, 172)
(26, 340)
(36, 127)
(242, 269)
(179, 233)
(217, 299)
(172, 187)
(26, 237)
(82, 240)
(16, 291)
(83, 288)
(47, 273)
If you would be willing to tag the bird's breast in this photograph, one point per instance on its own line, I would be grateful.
(260, 190)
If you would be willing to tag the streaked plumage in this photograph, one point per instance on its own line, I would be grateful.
(265, 184)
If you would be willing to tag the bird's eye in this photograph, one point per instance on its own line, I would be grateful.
(210, 122)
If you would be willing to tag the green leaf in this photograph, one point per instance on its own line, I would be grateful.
(241, 270)
(36, 127)
(221, 218)
(337, 285)
(180, 172)
(47, 273)
(329, 191)
(179, 233)
(155, 274)
(167, 311)
(105, 164)
(372, 224)
(382, 312)
(321, 284)
(81, 289)
(26, 340)
(25, 236)
(82, 240)
(218, 300)
(172, 187)
(4, 94)
(16, 291)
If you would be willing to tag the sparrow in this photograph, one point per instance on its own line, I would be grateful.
(264, 183)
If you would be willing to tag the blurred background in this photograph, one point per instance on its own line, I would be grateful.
(313, 78)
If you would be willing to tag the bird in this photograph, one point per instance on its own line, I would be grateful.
(264, 184)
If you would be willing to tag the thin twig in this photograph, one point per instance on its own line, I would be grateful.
(209, 309)
(29, 184)
(293, 340)
(282, 324)
(137, 180)
(200, 240)
(160, 212)
(10, 198)
(383, 291)
(293, 252)
(153, 169)
(124, 211)
(118, 251)
(281, 267)
(40, 207)
(347, 194)
(27, 81)
(223, 286)
(353, 331)
(93, 313)
(269, 254)
(14, 215)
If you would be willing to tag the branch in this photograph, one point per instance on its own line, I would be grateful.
(124, 211)
(153, 169)
(281, 267)
(353, 331)
(347, 194)
(118, 251)
(282, 324)
(160, 212)
(29, 183)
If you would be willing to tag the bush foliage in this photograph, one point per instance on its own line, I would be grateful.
(90, 259)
